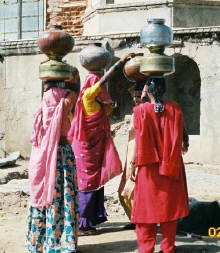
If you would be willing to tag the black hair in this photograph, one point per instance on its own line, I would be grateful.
(157, 87)
(139, 86)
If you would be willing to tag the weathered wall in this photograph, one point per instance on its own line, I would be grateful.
(209, 64)
(185, 87)
(67, 13)
(2, 121)
(21, 97)
(195, 16)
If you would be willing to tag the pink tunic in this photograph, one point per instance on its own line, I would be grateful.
(49, 124)
(160, 189)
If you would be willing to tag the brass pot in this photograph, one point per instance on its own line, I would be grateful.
(132, 70)
(55, 70)
(157, 64)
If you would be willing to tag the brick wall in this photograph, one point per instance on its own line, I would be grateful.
(67, 13)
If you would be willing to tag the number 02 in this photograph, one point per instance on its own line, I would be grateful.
(214, 232)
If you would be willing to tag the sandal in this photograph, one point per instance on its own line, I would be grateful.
(82, 232)
(87, 231)
(92, 231)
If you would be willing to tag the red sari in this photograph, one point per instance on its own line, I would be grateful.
(97, 159)
(160, 188)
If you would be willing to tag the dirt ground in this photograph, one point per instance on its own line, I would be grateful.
(203, 184)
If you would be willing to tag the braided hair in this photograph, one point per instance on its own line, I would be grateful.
(157, 87)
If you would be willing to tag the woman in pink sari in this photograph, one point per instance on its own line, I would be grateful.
(53, 211)
(97, 159)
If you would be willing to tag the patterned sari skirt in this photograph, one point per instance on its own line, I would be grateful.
(54, 229)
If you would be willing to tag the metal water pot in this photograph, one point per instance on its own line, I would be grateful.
(157, 65)
(55, 70)
(156, 36)
(95, 58)
(156, 33)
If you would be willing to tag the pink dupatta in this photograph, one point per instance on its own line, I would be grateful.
(45, 140)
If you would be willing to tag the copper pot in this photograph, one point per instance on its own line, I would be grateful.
(132, 70)
(55, 42)
(95, 58)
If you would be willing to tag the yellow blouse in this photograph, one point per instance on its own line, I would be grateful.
(90, 105)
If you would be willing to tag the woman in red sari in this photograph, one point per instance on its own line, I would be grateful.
(160, 188)
(97, 159)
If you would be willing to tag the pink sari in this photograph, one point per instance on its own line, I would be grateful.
(45, 139)
(97, 159)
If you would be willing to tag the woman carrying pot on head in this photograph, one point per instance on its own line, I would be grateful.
(160, 187)
(53, 211)
(97, 159)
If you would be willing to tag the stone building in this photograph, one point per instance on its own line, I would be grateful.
(195, 84)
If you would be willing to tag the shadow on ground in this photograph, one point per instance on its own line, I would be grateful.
(9, 166)
(197, 248)
(184, 244)
(131, 246)
(196, 239)
(110, 227)
(113, 247)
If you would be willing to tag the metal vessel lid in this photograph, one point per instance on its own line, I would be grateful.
(156, 20)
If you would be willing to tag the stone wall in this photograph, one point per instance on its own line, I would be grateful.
(2, 121)
(21, 97)
(67, 13)
(184, 86)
